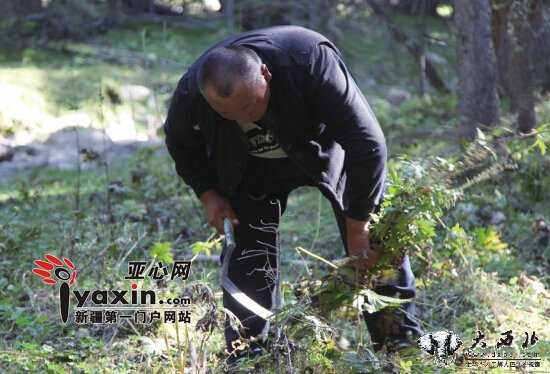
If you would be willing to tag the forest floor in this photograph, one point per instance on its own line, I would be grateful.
(137, 209)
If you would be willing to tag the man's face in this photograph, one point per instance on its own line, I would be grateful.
(247, 103)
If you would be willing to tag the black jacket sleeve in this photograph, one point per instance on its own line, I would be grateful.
(336, 101)
(186, 143)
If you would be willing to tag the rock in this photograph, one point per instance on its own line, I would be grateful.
(148, 120)
(61, 151)
(498, 218)
(6, 152)
(122, 149)
(25, 153)
(152, 103)
(343, 343)
(541, 225)
(22, 161)
(396, 96)
(373, 99)
(63, 147)
(152, 347)
(436, 59)
(370, 82)
(88, 137)
(132, 92)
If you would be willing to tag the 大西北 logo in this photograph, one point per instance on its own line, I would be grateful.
(441, 345)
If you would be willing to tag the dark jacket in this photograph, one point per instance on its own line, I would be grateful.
(316, 113)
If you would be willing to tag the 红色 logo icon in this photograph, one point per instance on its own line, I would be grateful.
(53, 270)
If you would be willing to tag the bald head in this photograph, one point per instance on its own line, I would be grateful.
(235, 83)
(224, 66)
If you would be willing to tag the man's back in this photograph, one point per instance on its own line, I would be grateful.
(278, 45)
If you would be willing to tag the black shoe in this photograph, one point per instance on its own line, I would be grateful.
(407, 347)
(404, 345)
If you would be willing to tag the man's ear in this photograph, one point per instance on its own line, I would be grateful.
(266, 73)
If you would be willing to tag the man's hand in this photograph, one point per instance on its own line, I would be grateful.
(358, 241)
(217, 208)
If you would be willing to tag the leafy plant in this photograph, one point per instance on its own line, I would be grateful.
(162, 252)
(130, 208)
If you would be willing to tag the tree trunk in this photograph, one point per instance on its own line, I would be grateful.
(229, 11)
(514, 37)
(312, 14)
(478, 102)
(541, 45)
(111, 14)
(422, 47)
(326, 10)
(413, 6)
(520, 73)
(412, 46)
(140, 6)
(13, 14)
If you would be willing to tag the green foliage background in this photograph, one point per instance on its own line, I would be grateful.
(473, 272)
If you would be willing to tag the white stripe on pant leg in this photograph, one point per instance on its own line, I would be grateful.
(244, 299)
(274, 303)
(240, 296)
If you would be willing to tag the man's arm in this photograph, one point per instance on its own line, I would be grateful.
(187, 147)
(186, 143)
(337, 101)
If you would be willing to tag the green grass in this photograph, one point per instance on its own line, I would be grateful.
(464, 302)
(38, 214)
(40, 85)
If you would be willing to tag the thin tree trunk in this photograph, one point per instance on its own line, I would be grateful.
(520, 67)
(111, 13)
(422, 49)
(478, 102)
(229, 9)
(412, 46)
(312, 14)
(499, 16)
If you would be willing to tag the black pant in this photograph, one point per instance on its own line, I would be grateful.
(250, 267)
